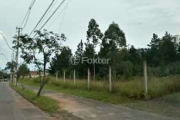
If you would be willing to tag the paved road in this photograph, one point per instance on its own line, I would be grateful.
(14, 107)
(88, 109)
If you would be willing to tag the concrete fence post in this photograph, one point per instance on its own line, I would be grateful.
(64, 75)
(88, 78)
(74, 77)
(145, 78)
(110, 79)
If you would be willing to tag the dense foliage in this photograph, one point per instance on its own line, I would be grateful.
(162, 55)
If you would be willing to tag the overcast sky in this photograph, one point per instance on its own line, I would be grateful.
(139, 19)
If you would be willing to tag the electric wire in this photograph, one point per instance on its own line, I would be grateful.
(42, 17)
(51, 15)
(26, 18)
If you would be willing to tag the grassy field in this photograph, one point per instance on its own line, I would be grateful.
(157, 87)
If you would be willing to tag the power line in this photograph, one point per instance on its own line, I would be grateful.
(51, 9)
(63, 18)
(26, 18)
(4, 56)
(26, 13)
(42, 17)
(6, 40)
(64, 10)
(51, 15)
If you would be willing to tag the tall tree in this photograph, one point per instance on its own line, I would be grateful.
(168, 49)
(114, 39)
(81, 70)
(153, 52)
(45, 44)
(93, 36)
(80, 50)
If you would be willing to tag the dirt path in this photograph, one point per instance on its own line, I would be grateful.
(88, 109)
(93, 110)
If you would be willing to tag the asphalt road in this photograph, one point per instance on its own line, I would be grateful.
(14, 107)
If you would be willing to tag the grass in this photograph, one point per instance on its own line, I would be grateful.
(162, 92)
(157, 87)
(167, 105)
(46, 104)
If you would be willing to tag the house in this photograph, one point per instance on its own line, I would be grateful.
(34, 74)
(176, 39)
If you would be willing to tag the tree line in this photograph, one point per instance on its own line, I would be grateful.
(161, 54)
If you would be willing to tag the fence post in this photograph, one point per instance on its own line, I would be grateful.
(110, 80)
(74, 76)
(88, 78)
(56, 75)
(64, 75)
(145, 78)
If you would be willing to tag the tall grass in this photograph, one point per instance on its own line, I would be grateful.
(134, 88)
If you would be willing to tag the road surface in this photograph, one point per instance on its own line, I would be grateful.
(14, 107)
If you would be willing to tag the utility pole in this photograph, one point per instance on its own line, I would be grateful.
(17, 53)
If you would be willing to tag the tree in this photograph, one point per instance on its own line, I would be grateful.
(23, 70)
(134, 56)
(114, 39)
(81, 69)
(93, 36)
(11, 65)
(115, 35)
(152, 55)
(45, 44)
(167, 50)
(80, 50)
(61, 61)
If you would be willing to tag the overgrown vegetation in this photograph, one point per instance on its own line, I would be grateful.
(133, 88)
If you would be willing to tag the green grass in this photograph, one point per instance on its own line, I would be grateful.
(162, 92)
(46, 104)
(122, 90)
(167, 105)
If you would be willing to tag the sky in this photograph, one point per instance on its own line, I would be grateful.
(139, 19)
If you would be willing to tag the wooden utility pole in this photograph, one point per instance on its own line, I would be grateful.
(110, 79)
(17, 53)
(145, 78)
